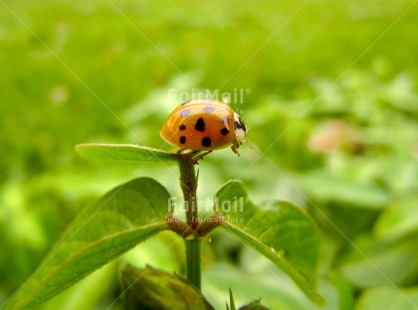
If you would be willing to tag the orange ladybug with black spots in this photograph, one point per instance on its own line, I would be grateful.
(204, 125)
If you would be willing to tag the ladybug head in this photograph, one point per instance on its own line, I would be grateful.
(240, 129)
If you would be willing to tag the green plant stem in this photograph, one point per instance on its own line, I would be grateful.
(193, 271)
(188, 183)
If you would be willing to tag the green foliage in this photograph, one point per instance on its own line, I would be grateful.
(279, 231)
(85, 294)
(231, 305)
(254, 305)
(373, 262)
(399, 220)
(155, 289)
(331, 105)
(125, 153)
(139, 209)
(112, 225)
(387, 297)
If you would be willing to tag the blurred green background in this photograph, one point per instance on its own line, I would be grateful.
(330, 96)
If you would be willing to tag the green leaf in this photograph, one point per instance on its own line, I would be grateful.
(85, 294)
(254, 305)
(343, 297)
(125, 153)
(371, 262)
(155, 289)
(388, 297)
(231, 301)
(284, 294)
(115, 223)
(400, 219)
(280, 231)
(324, 187)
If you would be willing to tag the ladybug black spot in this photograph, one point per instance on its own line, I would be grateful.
(206, 141)
(182, 139)
(185, 113)
(224, 131)
(200, 125)
(182, 127)
(208, 110)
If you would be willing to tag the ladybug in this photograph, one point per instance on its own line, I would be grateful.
(204, 125)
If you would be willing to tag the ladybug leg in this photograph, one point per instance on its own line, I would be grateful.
(200, 156)
(235, 145)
